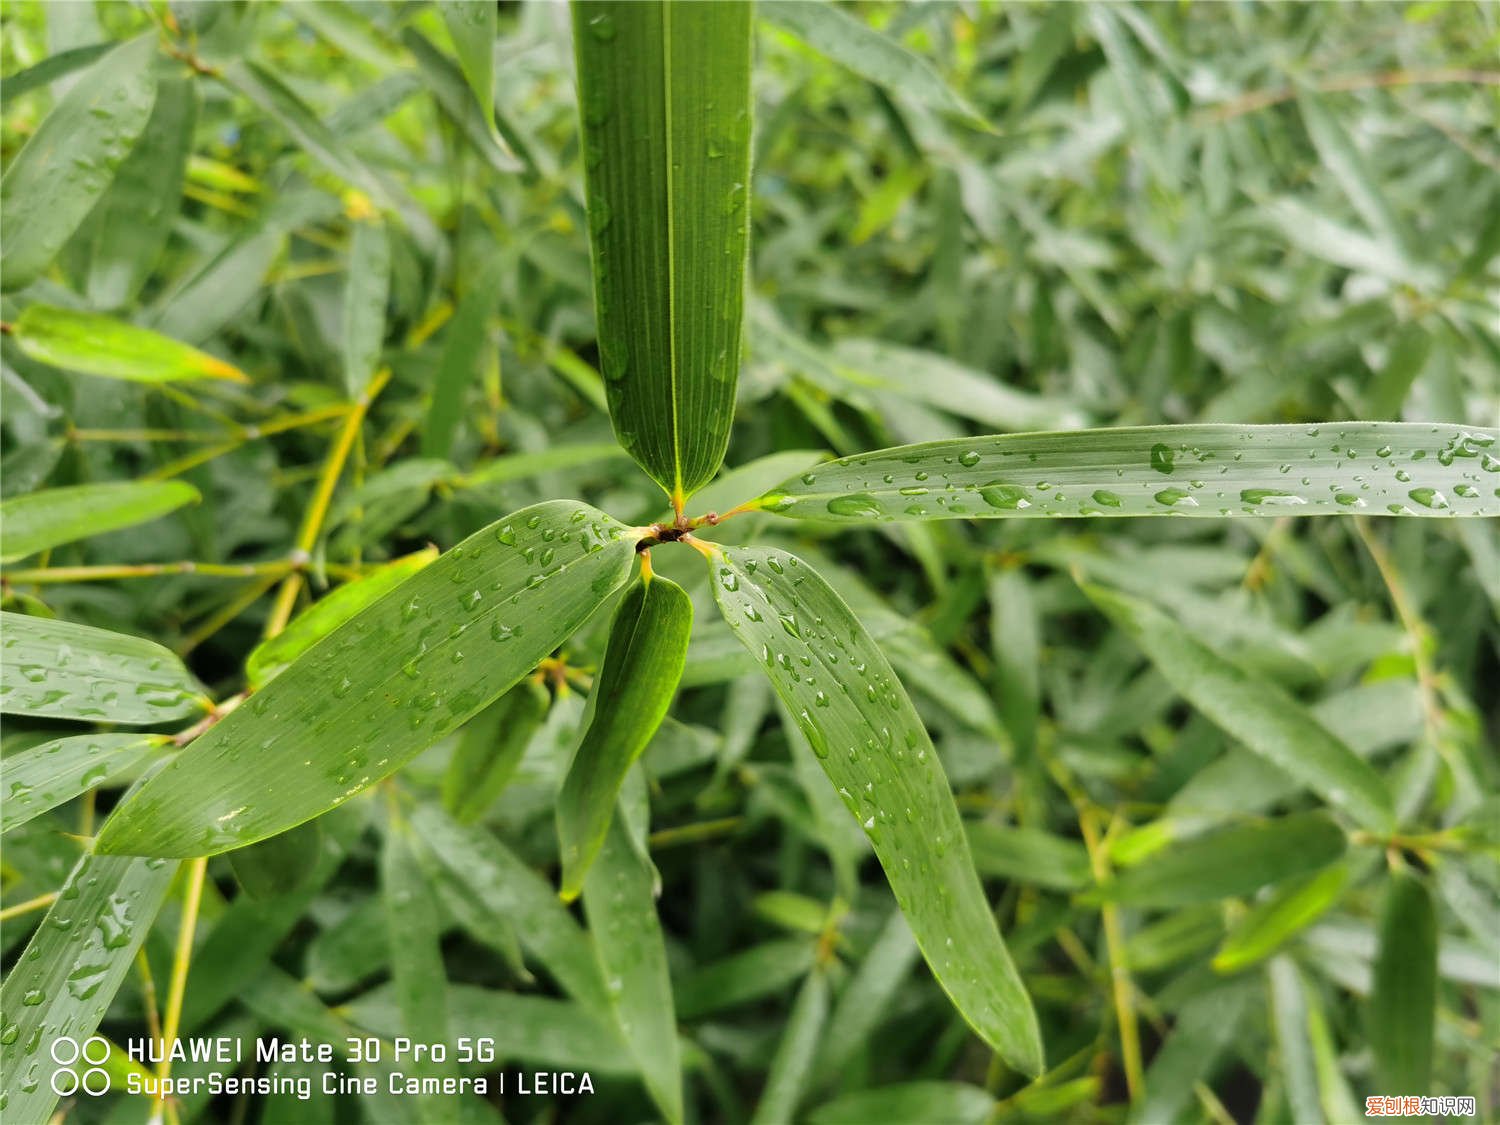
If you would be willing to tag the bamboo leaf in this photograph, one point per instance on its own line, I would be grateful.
(95, 344)
(384, 685)
(1254, 710)
(43, 777)
(909, 1103)
(463, 347)
(1278, 917)
(451, 89)
(64, 982)
(619, 900)
(787, 1079)
(273, 655)
(70, 160)
(866, 999)
(279, 865)
(1294, 1051)
(39, 521)
(1403, 1000)
(634, 689)
(870, 742)
(749, 975)
(52, 68)
(490, 748)
(1028, 855)
(1236, 860)
(1408, 469)
(61, 670)
(520, 466)
(851, 42)
(366, 292)
(1342, 159)
(664, 94)
(1205, 1027)
(472, 27)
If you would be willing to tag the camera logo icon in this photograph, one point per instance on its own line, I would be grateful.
(94, 1079)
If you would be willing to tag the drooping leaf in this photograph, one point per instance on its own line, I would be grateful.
(1278, 917)
(851, 42)
(38, 521)
(787, 1079)
(384, 685)
(664, 95)
(95, 344)
(1254, 710)
(876, 752)
(490, 748)
(620, 903)
(1236, 860)
(43, 777)
(274, 654)
(135, 217)
(69, 161)
(64, 982)
(632, 693)
(472, 27)
(61, 670)
(366, 292)
(1403, 1001)
(1212, 470)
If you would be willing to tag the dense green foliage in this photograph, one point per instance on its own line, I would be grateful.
(294, 294)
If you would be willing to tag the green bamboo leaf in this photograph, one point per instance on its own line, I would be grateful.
(463, 349)
(619, 900)
(1228, 862)
(451, 90)
(61, 670)
(383, 686)
(271, 656)
(664, 95)
(490, 748)
(497, 882)
(909, 1103)
(852, 43)
(1274, 920)
(786, 1081)
(279, 865)
(866, 999)
(53, 67)
(64, 982)
(751, 974)
(1295, 1061)
(134, 219)
(95, 344)
(65, 167)
(43, 777)
(1254, 710)
(634, 689)
(744, 482)
(1409, 469)
(1015, 642)
(1403, 1000)
(1028, 855)
(520, 466)
(472, 27)
(1341, 158)
(38, 521)
(870, 742)
(366, 292)
(1205, 1028)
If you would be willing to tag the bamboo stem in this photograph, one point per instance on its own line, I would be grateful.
(181, 963)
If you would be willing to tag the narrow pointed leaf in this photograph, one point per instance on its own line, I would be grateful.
(43, 777)
(279, 865)
(61, 670)
(664, 95)
(1294, 1052)
(69, 161)
(867, 997)
(1408, 469)
(786, 1081)
(642, 666)
(115, 349)
(64, 982)
(490, 749)
(451, 90)
(1347, 165)
(909, 1103)
(1278, 917)
(37, 521)
(1254, 710)
(619, 901)
(1205, 1028)
(1403, 1001)
(1232, 861)
(472, 26)
(383, 686)
(366, 291)
(844, 695)
(463, 350)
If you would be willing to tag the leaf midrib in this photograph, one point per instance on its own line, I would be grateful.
(672, 341)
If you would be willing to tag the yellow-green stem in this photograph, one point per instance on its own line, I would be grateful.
(181, 962)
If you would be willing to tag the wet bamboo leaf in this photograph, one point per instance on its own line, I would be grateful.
(135, 218)
(1409, 469)
(619, 900)
(490, 748)
(384, 685)
(472, 27)
(273, 655)
(38, 521)
(102, 345)
(634, 689)
(1254, 710)
(664, 95)
(366, 292)
(43, 777)
(868, 738)
(1278, 917)
(1231, 861)
(64, 982)
(909, 1103)
(61, 670)
(851, 42)
(70, 160)
(1403, 1001)
(787, 1079)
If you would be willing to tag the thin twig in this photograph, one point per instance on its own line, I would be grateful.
(1263, 99)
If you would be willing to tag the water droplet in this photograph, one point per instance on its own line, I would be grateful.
(1429, 498)
(1007, 497)
(1162, 457)
(1106, 498)
(861, 505)
(1272, 497)
(1175, 498)
(969, 459)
